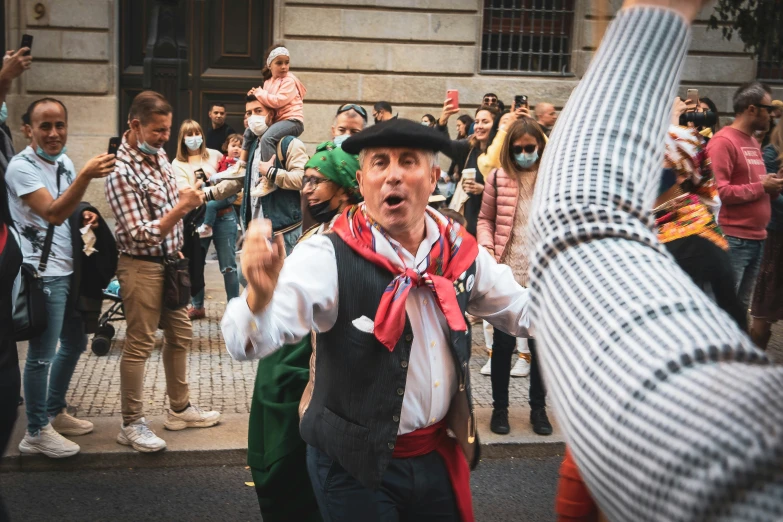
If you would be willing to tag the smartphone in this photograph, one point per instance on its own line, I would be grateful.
(692, 97)
(453, 96)
(114, 144)
(27, 41)
(200, 174)
(520, 100)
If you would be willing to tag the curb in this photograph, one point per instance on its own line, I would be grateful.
(226, 445)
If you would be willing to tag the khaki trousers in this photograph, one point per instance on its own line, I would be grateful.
(141, 288)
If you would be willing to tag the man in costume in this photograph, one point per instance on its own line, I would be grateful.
(386, 293)
(276, 451)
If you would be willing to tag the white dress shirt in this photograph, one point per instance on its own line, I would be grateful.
(306, 298)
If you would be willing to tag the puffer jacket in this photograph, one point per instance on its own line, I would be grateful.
(285, 95)
(498, 206)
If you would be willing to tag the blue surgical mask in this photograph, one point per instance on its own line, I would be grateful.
(49, 157)
(193, 142)
(525, 160)
(3, 113)
(148, 149)
(338, 140)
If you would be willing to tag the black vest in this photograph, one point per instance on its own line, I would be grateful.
(354, 412)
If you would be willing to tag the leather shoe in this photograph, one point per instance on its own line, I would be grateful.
(499, 422)
(540, 422)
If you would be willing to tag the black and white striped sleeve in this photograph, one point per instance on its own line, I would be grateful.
(671, 412)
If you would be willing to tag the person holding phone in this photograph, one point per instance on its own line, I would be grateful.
(465, 153)
(193, 156)
(143, 194)
(44, 191)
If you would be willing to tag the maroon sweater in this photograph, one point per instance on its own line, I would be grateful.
(739, 168)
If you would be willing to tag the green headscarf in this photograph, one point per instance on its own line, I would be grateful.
(337, 166)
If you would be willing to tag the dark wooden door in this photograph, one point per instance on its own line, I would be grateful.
(225, 44)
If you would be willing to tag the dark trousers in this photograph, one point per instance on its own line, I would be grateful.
(416, 489)
(503, 348)
(284, 491)
(710, 266)
(10, 384)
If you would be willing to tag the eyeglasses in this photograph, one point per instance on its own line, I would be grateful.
(529, 149)
(769, 108)
(357, 108)
(307, 180)
(489, 100)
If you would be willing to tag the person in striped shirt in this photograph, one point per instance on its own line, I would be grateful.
(669, 410)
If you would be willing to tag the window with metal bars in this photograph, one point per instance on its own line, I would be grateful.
(770, 57)
(527, 36)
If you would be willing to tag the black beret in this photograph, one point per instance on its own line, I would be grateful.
(398, 133)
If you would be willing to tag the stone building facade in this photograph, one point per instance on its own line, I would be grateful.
(407, 52)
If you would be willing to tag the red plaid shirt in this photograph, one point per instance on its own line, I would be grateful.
(127, 189)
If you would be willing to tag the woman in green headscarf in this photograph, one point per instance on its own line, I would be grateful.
(276, 451)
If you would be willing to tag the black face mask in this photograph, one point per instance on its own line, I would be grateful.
(321, 212)
(377, 120)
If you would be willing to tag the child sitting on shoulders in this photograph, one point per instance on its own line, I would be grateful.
(283, 94)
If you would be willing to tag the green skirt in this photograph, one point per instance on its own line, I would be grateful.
(275, 450)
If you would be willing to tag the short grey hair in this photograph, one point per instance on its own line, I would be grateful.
(353, 114)
(748, 94)
(431, 157)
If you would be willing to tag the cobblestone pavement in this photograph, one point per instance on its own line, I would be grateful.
(217, 381)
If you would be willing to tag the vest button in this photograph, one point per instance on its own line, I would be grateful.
(400, 391)
(396, 418)
(409, 337)
(404, 364)
(391, 445)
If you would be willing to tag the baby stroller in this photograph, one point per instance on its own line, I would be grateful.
(101, 341)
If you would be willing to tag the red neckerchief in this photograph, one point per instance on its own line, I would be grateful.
(449, 258)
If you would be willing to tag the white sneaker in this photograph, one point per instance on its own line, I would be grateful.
(192, 417)
(140, 437)
(487, 368)
(204, 231)
(65, 424)
(50, 443)
(522, 366)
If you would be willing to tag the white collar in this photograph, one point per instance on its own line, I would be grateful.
(386, 248)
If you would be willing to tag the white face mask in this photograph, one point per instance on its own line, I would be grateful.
(338, 140)
(257, 124)
(193, 142)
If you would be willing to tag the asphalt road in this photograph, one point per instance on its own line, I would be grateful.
(503, 490)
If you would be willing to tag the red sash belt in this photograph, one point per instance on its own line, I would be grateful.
(573, 502)
(434, 438)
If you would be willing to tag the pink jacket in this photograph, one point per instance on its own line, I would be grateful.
(498, 206)
(286, 96)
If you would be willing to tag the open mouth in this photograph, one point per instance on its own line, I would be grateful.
(393, 201)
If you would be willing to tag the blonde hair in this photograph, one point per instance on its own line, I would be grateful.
(190, 127)
(776, 140)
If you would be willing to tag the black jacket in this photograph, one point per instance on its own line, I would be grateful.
(91, 274)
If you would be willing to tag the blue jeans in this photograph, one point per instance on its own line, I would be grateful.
(48, 370)
(212, 209)
(290, 239)
(745, 257)
(224, 234)
(275, 133)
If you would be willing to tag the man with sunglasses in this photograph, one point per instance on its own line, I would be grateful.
(744, 186)
(382, 111)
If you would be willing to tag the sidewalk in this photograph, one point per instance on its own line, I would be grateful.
(218, 382)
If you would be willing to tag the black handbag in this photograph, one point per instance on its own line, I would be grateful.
(30, 317)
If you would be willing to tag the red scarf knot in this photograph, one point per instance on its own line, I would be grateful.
(450, 256)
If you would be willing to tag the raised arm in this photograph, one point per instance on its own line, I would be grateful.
(671, 412)
(284, 301)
